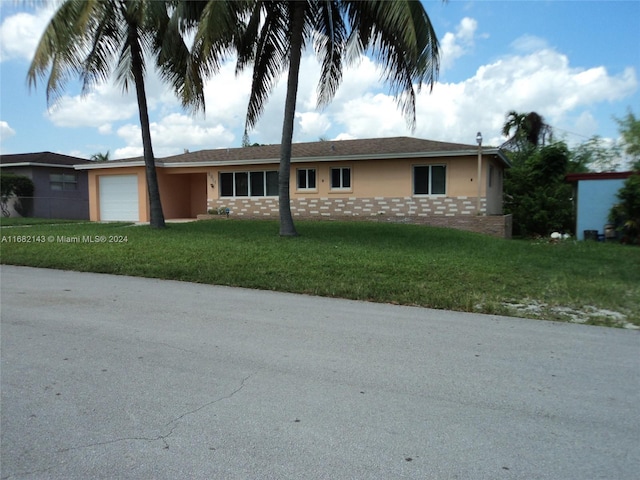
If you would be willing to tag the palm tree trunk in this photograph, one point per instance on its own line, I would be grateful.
(287, 228)
(153, 190)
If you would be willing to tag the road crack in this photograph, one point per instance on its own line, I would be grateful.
(213, 402)
(173, 423)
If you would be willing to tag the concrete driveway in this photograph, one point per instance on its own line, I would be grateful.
(108, 377)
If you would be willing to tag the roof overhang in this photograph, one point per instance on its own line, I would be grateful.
(334, 158)
(100, 165)
(575, 177)
(35, 164)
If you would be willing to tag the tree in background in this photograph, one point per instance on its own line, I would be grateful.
(526, 131)
(18, 187)
(595, 155)
(100, 157)
(625, 215)
(536, 194)
(630, 131)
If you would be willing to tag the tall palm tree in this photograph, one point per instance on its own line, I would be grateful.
(529, 130)
(399, 34)
(94, 39)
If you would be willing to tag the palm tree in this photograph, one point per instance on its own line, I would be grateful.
(530, 130)
(515, 121)
(100, 157)
(276, 33)
(94, 39)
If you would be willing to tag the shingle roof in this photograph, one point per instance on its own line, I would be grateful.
(48, 158)
(337, 148)
(323, 149)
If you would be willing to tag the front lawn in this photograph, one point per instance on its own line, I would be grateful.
(405, 264)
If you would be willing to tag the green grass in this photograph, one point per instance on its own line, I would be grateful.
(402, 264)
(28, 221)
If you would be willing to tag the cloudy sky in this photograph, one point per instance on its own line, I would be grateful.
(577, 63)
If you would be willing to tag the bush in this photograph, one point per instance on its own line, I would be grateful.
(536, 194)
(626, 214)
(18, 185)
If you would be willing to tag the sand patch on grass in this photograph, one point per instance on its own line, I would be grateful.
(586, 314)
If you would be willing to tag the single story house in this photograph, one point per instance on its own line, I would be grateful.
(395, 179)
(594, 195)
(60, 191)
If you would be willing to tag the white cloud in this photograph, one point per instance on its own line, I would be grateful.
(20, 33)
(313, 123)
(105, 104)
(172, 134)
(105, 129)
(455, 45)
(6, 131)
(529, 43)
(586, 124)
(542, 81)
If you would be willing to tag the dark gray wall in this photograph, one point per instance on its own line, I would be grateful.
(48, 203)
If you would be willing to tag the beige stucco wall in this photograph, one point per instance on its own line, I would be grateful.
(94, 190)
(379, 178)
(183, 191)
(189, 191)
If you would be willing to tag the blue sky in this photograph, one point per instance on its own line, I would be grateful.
(577, 63)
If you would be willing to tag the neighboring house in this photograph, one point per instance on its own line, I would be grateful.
(594, 195)
(60, 191)
(393, 179)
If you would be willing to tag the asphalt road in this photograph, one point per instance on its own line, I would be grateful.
(107, 377)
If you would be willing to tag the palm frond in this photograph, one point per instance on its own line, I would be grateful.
(105, 23)
(330, 37)
(401, 37)
(59, 51)
(271, 58)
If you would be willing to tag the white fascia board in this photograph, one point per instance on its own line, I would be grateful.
(337, 158)
(33, 164)
(222, 163)
(267, 161)
(93, 166)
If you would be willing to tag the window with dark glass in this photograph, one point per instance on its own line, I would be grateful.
(306, 178)
(340, 177)
(63, 181)
(272, 183)
(429, 179)
(249, 184)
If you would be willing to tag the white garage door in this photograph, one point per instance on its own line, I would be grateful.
(119, 198)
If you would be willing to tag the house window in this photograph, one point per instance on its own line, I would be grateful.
(306, 178)
(429, 179)
(249, 184)
(340, 178)
(63, 181)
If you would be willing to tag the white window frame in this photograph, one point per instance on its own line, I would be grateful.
(341, 187)
(248, 174)
(306, 171)
(67, 182)
(430, 182)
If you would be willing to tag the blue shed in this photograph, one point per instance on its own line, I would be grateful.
(595, 194)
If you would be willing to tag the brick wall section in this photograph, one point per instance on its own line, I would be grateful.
(451, 212)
